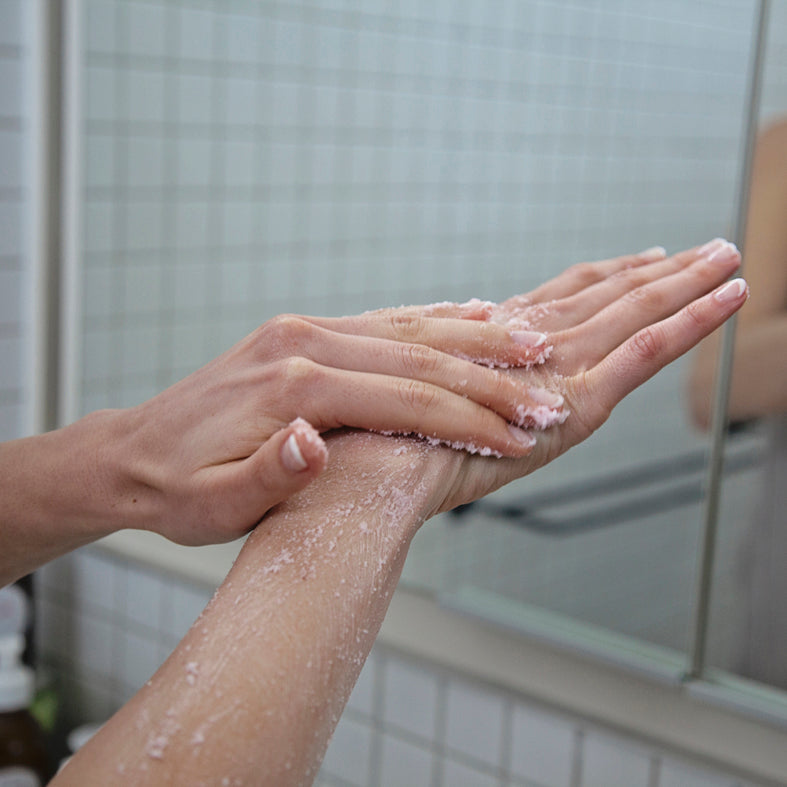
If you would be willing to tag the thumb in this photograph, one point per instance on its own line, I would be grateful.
(283, 465)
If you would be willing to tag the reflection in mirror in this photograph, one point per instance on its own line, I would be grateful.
(609, 536)
(245, 159)
(755, 626)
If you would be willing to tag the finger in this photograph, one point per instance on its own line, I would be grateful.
(644, 305)
(331, 398)
(283, 465)
(580, 276)
(474, 309)
(653, 347)
(483, 385)
(475, 340)
(567, 312)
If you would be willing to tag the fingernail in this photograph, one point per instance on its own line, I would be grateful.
(710, 246)
(529, 338)
(653, 254)
(730, 291)
(521, 436)
(724, 253)
(291, 456)
(548, 398)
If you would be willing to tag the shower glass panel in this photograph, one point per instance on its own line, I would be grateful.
(748, 626)
(241, 159)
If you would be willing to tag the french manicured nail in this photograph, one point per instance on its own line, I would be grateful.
(724, 253)
(711, 246)
(653, 254)
(529, 338)
(291, 456)
(521, 436)
(730, 291)
(548, 398)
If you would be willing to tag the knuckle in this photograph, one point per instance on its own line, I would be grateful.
(286, 331)
(645, 297)
(634, 277)
(648, 344)
(417, 396)
(499, 385)
(585, 273)
(417, 360)
(298, 373)
(406, 327)
(593, 411)
(695, 313)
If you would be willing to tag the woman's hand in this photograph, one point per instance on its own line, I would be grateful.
(310, 589)
(611, 326)
(204, 460)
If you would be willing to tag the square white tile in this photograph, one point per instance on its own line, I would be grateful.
(193, 162)
(410, 697)
(349, 753)
(145, 161)
(10, 225)
(145, 96)
(145, 595)
(10, 363)
(11, 22)
(196, 27)
(403, 763)
(94, 644)
(474, 721)
(146, 29)
(456, 774)
(99, 160)
(140, 657)
(362, 698)
(193, 97)
(11, 86)
(100, 26)
(96, 581)
(101, 93)
(675, 773)
(10, 299)
(613, 762)
(99, 226)
(187, 603)
(542, 747)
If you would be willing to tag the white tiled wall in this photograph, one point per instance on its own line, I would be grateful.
(14, 213)
(105, 626)
(246, 158)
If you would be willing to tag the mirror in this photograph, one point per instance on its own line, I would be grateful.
(243, 161)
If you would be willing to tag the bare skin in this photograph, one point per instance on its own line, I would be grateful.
(203, 461)
(759, 375)
(252, 694)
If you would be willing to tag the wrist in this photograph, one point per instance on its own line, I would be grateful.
(56, 494)
(91, 461)
(401, 480)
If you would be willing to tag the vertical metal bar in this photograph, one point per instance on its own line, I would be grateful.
(724, 372)
(44, 140)
(71, 207)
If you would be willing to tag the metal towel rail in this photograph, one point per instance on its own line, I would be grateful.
(680, 482)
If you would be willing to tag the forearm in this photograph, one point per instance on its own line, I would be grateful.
(254, 690)
(759, 374)
(57, 492)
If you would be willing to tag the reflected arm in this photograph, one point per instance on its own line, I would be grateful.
(759, 375)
